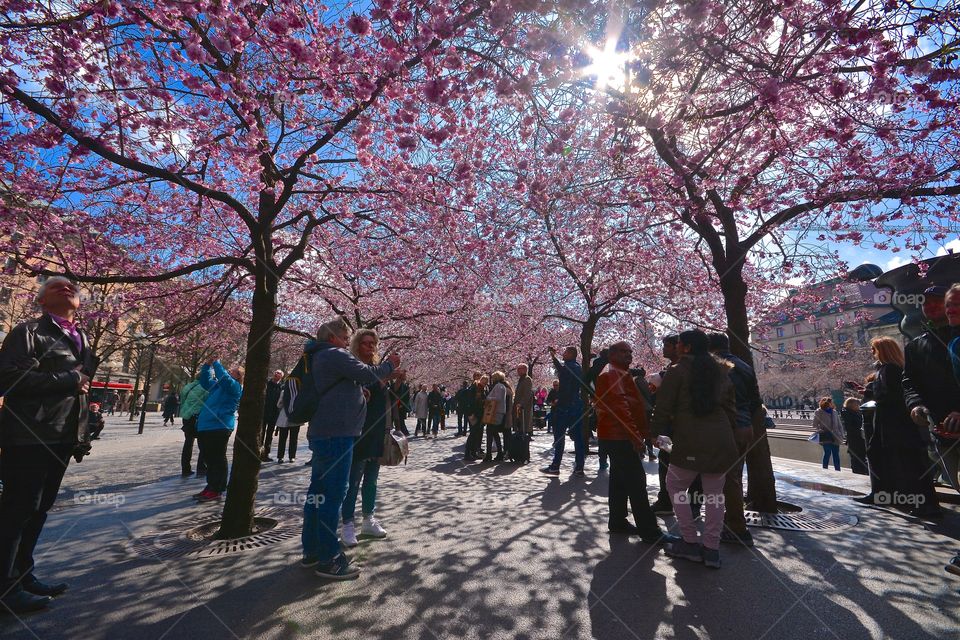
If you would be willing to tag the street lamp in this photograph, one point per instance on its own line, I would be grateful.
(154, 327)
(146, 388)
(136, 382)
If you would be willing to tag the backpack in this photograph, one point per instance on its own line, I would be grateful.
(305, 399)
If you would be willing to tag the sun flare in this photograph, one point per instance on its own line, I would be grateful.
(608, 67)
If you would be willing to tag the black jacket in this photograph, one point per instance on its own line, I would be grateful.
(928, 378)
(270, 401)
(892, 426)
(435, 402)
(371, 440)
(463, 399)
(37, 374)
(746, 388)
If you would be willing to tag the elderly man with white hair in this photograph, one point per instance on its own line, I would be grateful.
(45, 370)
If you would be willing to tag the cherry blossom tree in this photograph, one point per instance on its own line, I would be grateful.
(222, 133)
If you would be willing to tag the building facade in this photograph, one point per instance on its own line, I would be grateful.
(817, 342)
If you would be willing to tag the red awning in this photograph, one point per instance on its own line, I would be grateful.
(96, 384)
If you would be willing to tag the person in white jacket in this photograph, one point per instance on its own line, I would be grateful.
(421, 409)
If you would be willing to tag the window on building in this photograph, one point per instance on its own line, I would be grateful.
(842, 337)
(821, 342)
(818, 325)
(779, 332)
(782, 347)
(796, 329)
(799, 345)
(5, 295)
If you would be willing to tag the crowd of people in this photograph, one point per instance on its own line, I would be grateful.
(702, 413)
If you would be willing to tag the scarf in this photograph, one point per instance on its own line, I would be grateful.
(69, 328)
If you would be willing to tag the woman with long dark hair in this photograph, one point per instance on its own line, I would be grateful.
(696, 402)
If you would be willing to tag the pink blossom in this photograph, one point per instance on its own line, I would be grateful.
(435, 90)
(358, 25)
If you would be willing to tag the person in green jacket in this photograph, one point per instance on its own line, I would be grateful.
(192, 398)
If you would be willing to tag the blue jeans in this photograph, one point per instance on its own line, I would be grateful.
(366, 471)
(329, 476)
(831, 449)
(568, 420)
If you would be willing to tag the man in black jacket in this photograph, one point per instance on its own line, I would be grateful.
(271, 412)
(929, 384)
(436, 408)
(463, 408)
(45, 369)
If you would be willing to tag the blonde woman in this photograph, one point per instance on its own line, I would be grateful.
(829, 428)
(502, 393)
(365, 468)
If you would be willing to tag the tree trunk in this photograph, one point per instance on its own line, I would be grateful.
(761, 484)
(244, 476)
(586, 346)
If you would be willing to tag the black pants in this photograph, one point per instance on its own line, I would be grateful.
(663, 463)
(461, 424)
(475, 439)
(857, 448)
(435, 420)
(189, 435)
(628, 481)
(914, 474)
(267, 434)
(493, 437)
(31, 479)
(421, 424)
(282, 434)
(213, 452)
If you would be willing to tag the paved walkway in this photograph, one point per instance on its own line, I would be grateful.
(478, 551)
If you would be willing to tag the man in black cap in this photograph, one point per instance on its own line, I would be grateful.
(930, 388)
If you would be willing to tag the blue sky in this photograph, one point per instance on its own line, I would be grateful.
(855, 256)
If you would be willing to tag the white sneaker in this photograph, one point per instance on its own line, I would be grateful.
(372, 528)
(348, 536)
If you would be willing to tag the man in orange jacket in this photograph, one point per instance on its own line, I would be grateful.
(622, 428)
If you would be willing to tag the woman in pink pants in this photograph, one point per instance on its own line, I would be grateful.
(696, 407)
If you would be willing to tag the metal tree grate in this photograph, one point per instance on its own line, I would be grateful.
(801, 521)
(194, 541)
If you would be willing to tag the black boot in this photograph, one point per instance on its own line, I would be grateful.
(37, 588)
(22, 601)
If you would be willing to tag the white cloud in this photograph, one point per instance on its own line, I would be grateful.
(953, 245)
(897, 261)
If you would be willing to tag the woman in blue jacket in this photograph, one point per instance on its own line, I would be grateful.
(216, 422)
